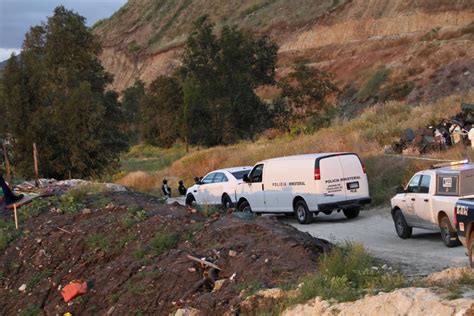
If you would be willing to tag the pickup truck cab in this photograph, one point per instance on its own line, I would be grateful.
(429, 199)
(464, 220)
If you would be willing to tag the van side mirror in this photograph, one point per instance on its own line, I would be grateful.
(246, 178)
(400, 190)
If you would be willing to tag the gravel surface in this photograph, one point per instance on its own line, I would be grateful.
(422, 254)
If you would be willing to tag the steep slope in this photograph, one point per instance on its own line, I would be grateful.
(421, 41)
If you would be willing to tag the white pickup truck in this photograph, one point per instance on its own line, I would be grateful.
(429, 200)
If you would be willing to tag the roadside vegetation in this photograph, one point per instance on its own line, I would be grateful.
(346, 273)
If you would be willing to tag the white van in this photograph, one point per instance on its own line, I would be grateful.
(306, 185)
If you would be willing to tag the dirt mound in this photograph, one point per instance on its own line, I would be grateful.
(409, 301)
(135, 250)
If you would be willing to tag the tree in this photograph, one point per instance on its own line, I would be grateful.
(131, 100)
(161, 111)
(307, 88)
(220, 74)
(61, 102)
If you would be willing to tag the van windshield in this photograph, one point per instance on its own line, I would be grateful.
(239, 175)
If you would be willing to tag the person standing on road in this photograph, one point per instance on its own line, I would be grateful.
(181, 188)
(166, 189)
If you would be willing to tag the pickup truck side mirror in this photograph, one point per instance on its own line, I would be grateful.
(400, 190)
(246, 178)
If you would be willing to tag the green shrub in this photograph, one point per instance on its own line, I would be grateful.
(139, 254)
(97, 241)
(163, 242)
(4, 239)
(346, 273)
(31, 310)
(133, 47)
(373, 85)
(250, 287)
(37, 277)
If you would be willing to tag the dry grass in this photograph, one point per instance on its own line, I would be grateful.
(366, 135)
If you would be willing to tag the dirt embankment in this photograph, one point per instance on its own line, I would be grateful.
(428, 43)
(135, 251)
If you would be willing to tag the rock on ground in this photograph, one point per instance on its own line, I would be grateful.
(409, 301)
(449, 275)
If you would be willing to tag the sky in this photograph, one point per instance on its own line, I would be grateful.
(17, 16)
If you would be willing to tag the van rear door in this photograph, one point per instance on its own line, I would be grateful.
(329, 186)
(354, 181)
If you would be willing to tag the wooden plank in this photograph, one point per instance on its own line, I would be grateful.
(35, 160)
(24, 200)
(204, 262)
(16, 216)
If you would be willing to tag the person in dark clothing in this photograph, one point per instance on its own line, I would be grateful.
(181, 188)
(6, 195)
(196, 180)
(166, 189)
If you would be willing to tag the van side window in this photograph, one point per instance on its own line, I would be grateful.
(256, 174)
(414, 184)
(425, 184)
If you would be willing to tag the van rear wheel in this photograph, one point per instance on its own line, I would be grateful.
(302, 212)
(351, 212)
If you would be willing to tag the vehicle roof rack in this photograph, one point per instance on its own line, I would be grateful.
(450, 164)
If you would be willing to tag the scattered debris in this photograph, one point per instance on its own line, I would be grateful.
(73, 290)
(22, 288)
(232, 253)
(449, 132)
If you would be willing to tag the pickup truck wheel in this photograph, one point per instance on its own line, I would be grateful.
(245, 207)
(351, 212)
(471, 253)
(190, 200)
(401, 227)
(302, 213)
(449, 237)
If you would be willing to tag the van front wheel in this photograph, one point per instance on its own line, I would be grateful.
(245, 207)
(302, 213)
(351, 212)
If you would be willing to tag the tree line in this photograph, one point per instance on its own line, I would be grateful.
(55, 94)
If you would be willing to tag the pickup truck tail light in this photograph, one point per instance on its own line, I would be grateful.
(455, 217)
(317, 174)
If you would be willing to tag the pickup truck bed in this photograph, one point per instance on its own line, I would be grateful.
(464, 220)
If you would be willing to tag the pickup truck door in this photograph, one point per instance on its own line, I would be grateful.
(422, 203)
(256, 190)
(409, 200)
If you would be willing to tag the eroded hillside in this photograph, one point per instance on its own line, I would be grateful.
(425, 44)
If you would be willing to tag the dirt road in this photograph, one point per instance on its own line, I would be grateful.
(419, 255)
